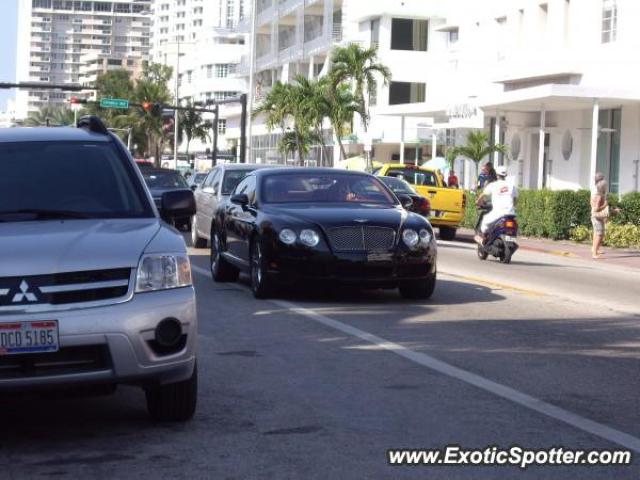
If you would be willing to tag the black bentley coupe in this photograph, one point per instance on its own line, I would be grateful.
(309, 225)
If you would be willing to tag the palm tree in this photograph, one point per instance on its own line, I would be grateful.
(54, 116)
(285, 103)
(360, 68)
(343, 107)
(477, 148)
(193, 126)
(315, 105)
(151, 87)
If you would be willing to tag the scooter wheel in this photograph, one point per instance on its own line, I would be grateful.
(482, 255)
(505, 256)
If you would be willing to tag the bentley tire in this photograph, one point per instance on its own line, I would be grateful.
(221, 269)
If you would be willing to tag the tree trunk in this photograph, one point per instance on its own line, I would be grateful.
(322, 144)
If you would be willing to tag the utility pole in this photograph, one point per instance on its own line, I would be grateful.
(214, 150)
(243, 128)
(175, 113)
(248, 104)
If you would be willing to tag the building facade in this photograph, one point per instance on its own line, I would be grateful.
(54, 35)
(200, 41)
(555, 80)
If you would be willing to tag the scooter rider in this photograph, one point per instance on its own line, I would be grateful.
(503, 197)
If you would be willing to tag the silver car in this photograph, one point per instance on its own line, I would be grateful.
(213, 191)
(95, 289)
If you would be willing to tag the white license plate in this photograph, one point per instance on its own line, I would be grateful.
(29, 337)
(507, 238)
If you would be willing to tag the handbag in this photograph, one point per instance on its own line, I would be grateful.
(603, 214)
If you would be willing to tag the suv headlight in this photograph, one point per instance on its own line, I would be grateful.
(163, 271)
(410, 238)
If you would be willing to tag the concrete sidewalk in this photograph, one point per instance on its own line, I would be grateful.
(611, 256)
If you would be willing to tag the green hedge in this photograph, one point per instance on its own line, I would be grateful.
(557, 214)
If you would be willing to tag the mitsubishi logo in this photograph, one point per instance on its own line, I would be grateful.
(24, 294)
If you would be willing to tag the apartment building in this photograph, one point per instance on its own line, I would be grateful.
(555, 80)
(53, 36)
(200, 40)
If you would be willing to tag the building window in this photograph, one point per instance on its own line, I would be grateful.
(409, 34)
(209, 71)
(222, 126)
(609, 21)
(222, 70)
(406, 92)
(189, 76)
(41, 3)
(230, 19)
(102, 7)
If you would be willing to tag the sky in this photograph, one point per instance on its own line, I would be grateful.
(8, 38)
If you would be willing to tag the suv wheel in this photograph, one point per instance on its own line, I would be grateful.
(221, 269)
(196, 240)
(259, 280)
(421, 290)
(174, 402)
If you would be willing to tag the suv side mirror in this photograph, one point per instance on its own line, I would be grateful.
(194, 187)
(240, 199)
(406, 201)
(178, 204)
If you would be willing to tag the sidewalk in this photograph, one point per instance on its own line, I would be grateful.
(612, 256)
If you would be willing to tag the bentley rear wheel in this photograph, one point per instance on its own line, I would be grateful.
(259, 281)
(221, 269)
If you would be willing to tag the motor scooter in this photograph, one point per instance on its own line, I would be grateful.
(501, 239)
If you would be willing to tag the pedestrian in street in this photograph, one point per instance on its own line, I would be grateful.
(452, 181)
(599, 213)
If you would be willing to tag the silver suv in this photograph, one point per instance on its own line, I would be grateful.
(95, 289)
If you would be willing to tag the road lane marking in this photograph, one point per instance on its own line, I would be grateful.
(515, 396)
(491, 283)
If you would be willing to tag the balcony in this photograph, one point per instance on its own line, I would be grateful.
(266, 61)
(286, 7)
(290, 53)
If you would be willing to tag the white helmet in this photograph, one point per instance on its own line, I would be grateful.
(501, 171)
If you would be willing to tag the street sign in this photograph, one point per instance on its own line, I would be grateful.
(114, 103)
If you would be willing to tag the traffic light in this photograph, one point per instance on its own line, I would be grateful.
(154, 109)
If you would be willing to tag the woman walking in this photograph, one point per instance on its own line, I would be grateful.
(599, 213)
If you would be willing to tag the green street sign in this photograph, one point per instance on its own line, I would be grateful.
(114, 103)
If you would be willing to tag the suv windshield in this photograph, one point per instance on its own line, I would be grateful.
(67, 180)
(325, 188)
(168, 179)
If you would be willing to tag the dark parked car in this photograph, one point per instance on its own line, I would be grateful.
(303, 226)
(161, 180)
(214, 191)
(419, 203)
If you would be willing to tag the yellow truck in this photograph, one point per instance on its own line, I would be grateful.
(447, 204)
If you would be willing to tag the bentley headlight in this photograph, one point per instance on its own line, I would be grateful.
(163, 271)
(425, 236)
(410, 238)
(287, 236)
(309, 237)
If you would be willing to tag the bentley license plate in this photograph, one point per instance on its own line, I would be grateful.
(29, 337)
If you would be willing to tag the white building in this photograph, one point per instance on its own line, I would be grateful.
(54, 34)
(547, 70)
(199, 39)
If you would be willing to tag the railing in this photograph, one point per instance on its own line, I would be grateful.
(336, 32)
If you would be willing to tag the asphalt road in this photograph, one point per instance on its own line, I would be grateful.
(320, 384)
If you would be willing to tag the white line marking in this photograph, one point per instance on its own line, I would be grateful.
(508, 393)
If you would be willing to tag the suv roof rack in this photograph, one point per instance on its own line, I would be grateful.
(93, 124)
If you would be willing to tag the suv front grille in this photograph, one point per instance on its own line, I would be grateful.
(67, 360)
(364, 238)
(64, 288)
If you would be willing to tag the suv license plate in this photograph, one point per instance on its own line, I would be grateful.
(29, 337)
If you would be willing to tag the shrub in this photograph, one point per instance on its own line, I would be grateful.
(622, 236)
(580, 234)
(629, 209)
